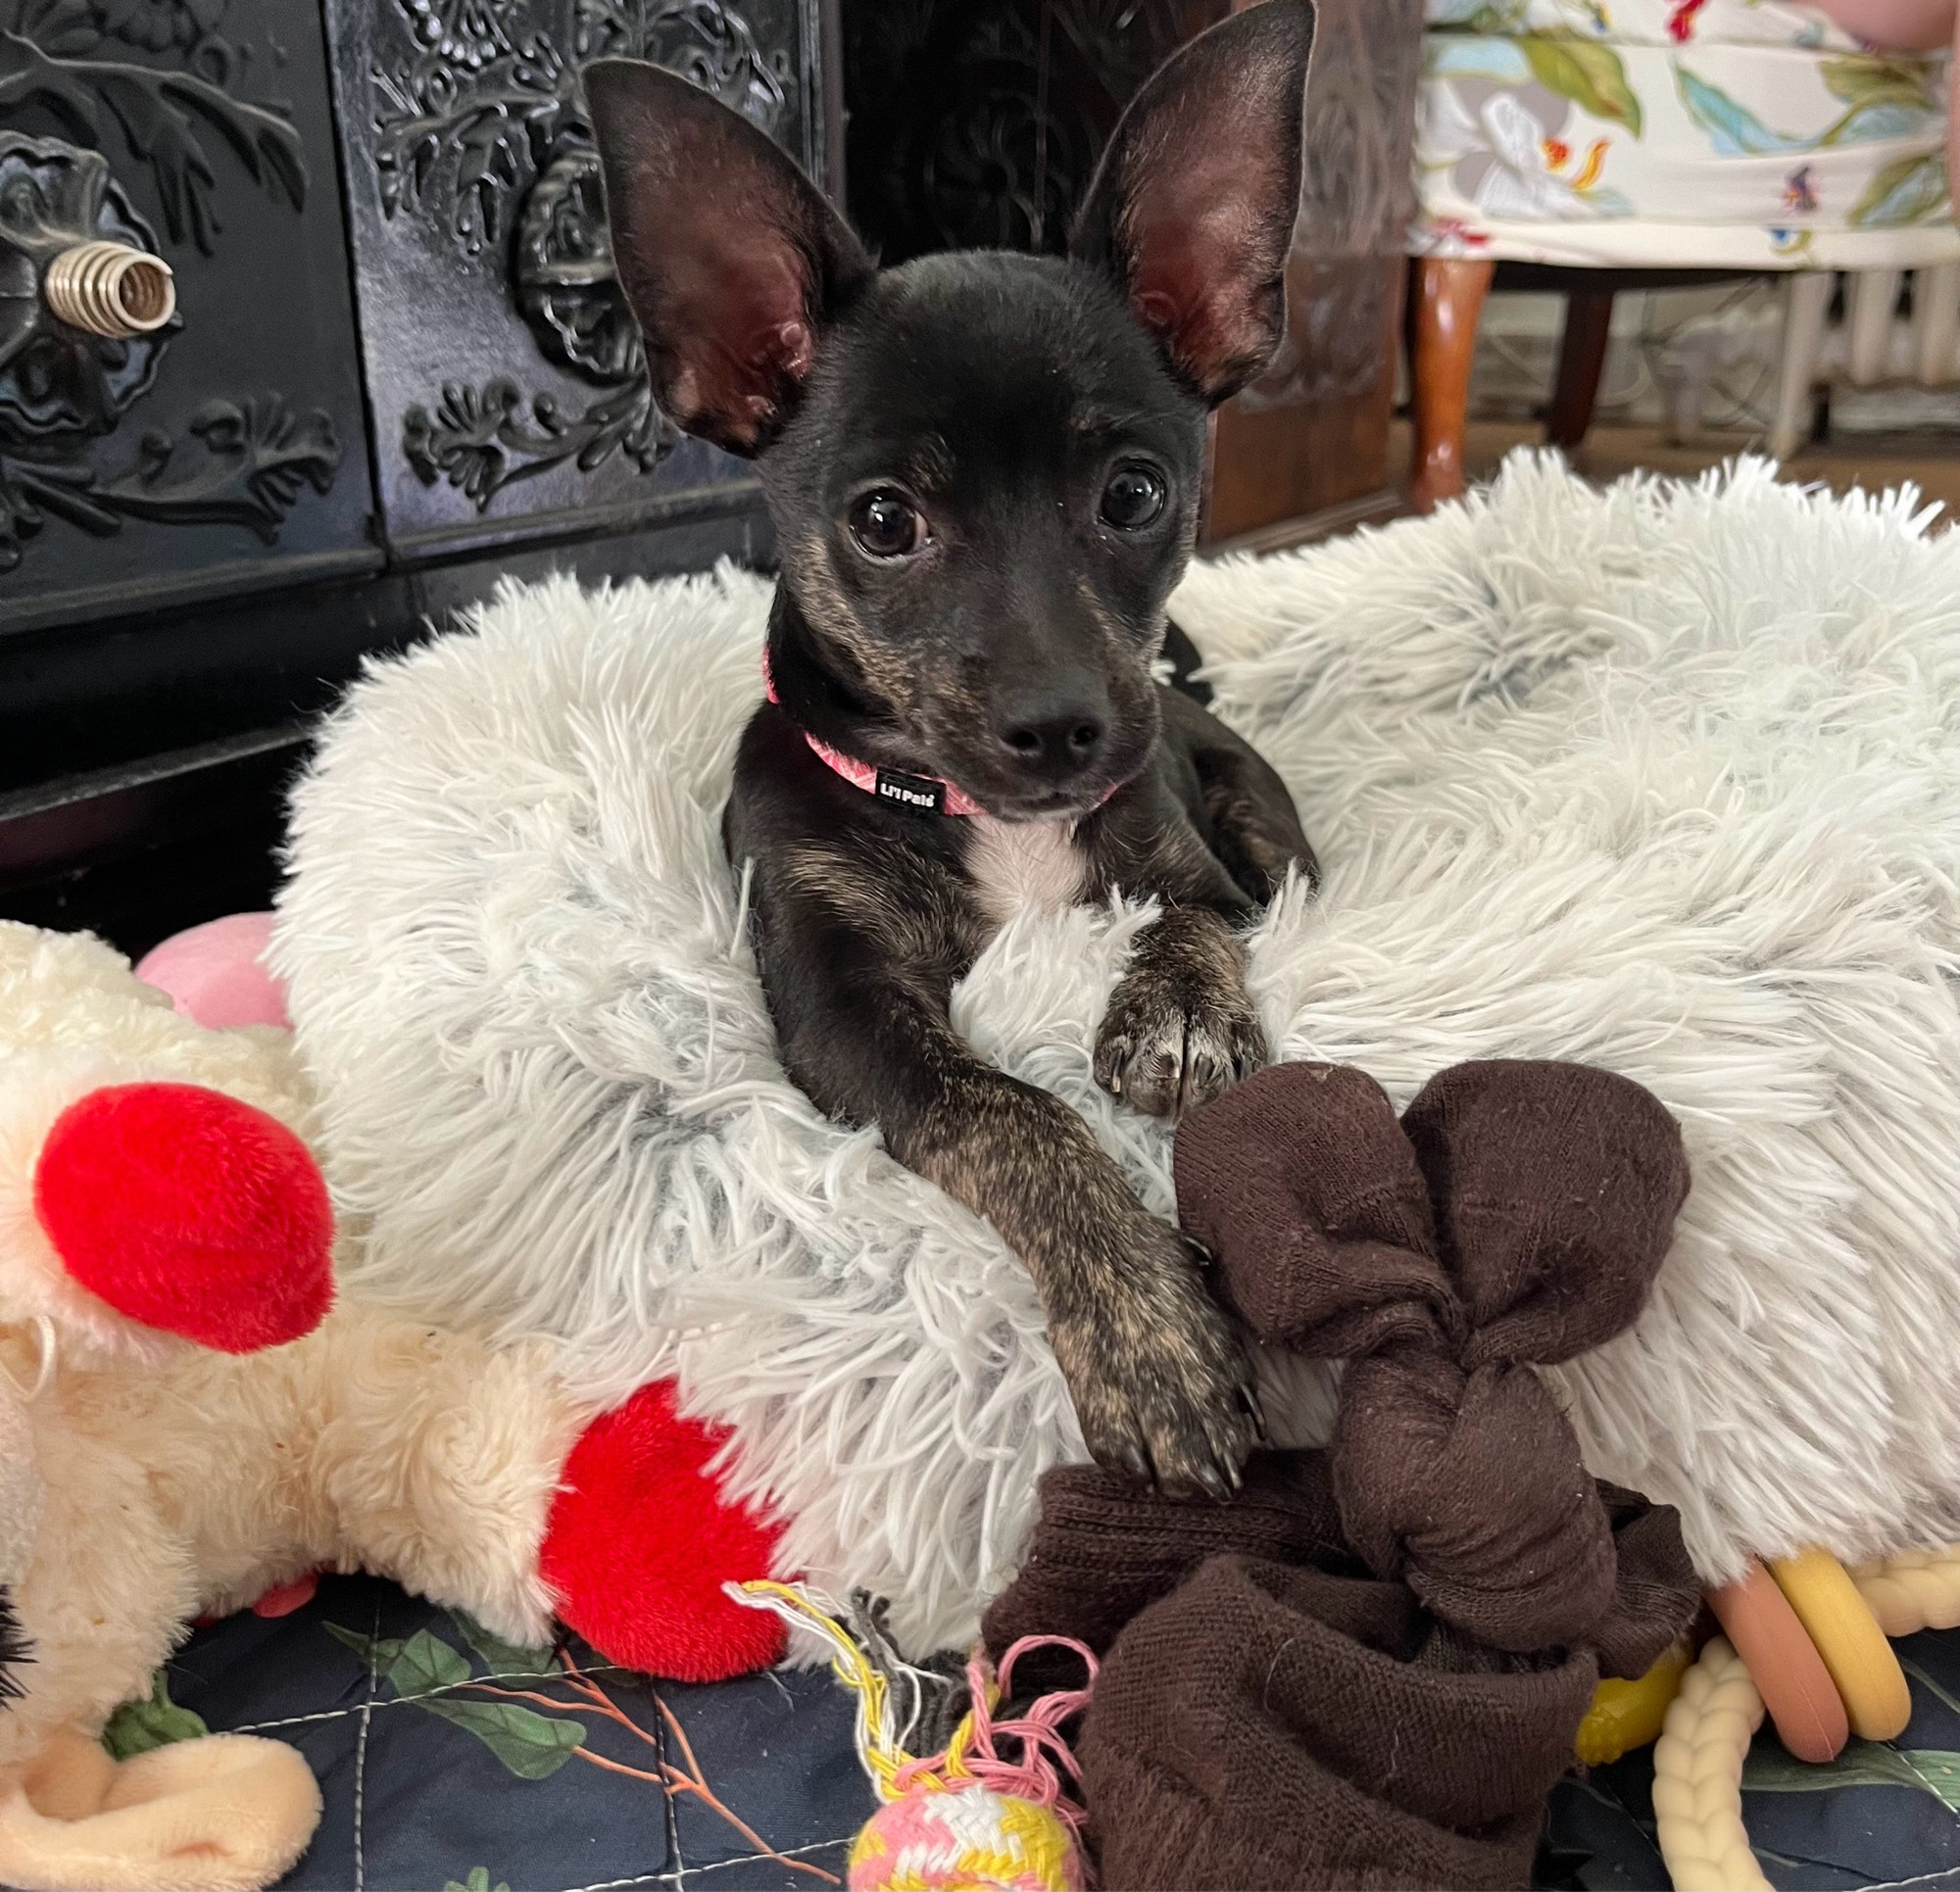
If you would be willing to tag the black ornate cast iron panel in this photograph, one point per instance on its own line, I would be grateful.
(505, 375)
(224, 450)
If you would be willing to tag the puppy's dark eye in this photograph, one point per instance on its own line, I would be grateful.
(887, 525)
(1133, 499)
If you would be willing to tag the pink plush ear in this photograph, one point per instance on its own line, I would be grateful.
(731, 258)
(1193, 207)
(215, 974)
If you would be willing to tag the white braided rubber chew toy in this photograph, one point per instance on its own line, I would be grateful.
(1917, 1590)
(1698, 1792)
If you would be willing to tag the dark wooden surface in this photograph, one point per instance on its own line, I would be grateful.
(975, 124)
(107, 822)
(1588, 323)
(1309, 442)
(1582, 356)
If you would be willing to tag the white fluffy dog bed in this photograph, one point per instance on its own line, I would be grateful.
(1665, 777)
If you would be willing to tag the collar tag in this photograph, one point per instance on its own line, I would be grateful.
(918, 792)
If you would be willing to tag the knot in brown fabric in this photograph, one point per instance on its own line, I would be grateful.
(1469, 1488)
(1516, 1217)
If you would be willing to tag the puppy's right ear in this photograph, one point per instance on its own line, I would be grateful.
(729, 257)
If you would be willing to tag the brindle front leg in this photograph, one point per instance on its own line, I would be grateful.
(1214, 832)
(1159, 1380)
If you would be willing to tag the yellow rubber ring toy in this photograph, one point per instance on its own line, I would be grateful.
(1699, 1762)
(1840, 1621)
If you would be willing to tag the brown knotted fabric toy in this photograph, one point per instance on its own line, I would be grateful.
(1368, 1668)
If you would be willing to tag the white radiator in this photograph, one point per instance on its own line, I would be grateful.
(1871, 344)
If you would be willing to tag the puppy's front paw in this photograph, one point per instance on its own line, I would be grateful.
(1163, 1387)
(1171, 1041)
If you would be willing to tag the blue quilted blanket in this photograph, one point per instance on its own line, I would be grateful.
(450, 1760)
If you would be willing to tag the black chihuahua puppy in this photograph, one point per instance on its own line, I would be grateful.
(984, 473)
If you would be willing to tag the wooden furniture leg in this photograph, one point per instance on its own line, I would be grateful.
(1448, 301)
(1582, 356)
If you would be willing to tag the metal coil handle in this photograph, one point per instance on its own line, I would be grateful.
(110, 289)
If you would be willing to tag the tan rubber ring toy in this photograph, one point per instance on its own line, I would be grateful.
(1788, 1673)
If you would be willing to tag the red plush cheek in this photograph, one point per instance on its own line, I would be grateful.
(639, 1543)
(191, 1212)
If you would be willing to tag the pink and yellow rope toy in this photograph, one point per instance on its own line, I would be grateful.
(969, 1820)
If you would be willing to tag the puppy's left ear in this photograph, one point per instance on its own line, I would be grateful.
(1193, 207)
(731, 258)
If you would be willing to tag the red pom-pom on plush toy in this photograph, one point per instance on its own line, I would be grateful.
(639, 1543)
(191, 1212)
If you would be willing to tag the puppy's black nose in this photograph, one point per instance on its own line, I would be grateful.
(1053, 741)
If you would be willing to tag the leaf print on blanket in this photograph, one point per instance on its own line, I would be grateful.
(427, 1672)
(532, 1730)
(1862, 1764)
(1734, 130)
(1885, 97)
(1516, 15)
(500, 1658)
(138, 1727)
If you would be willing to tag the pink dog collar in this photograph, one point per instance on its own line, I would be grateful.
(922, 793)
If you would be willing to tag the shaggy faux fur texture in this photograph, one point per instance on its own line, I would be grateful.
(1665, 777)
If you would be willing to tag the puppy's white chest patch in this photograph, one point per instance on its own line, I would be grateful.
(1016, 865)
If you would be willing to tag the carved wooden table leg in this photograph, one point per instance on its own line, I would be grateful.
(1449, 301)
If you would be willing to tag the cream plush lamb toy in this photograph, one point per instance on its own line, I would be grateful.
(185, 1425)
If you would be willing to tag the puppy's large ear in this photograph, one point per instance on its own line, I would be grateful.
(1192, 209)
(729, 257)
